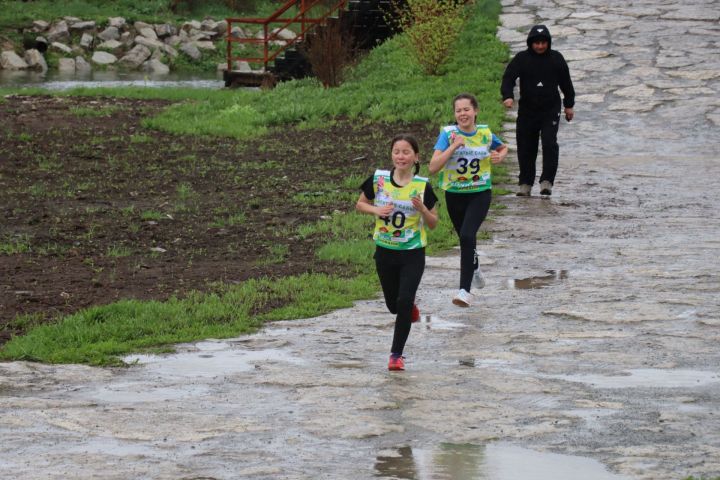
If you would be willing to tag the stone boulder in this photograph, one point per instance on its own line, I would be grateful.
(86, 41)
(10, 60)
(66, 65)
(61, 47)
(135, 57)
(165, 30)
(155, 66)
(40, 26)
(35, 60)
(104, 58)
(81, 65)
(191, 50)
(112, 46)
(59, 32)
(110, 33)
(117, 22)
(148, 42)
(82, 26)
(148, 32)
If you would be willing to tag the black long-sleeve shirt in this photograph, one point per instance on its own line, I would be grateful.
(540, 78)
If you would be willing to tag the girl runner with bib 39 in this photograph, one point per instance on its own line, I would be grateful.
(403, 205)
(463, 156)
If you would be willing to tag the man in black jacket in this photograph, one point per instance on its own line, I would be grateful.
(542, 71)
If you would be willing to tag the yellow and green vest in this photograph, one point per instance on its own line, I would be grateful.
(468, 169)
(404, 228)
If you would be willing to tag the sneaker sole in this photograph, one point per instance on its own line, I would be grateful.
(460, 303)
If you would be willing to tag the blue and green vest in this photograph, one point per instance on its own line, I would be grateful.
(404, 228)
(468, 169)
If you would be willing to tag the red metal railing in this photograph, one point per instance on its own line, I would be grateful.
(302, 18)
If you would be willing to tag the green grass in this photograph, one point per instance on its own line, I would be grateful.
(16, 13)
(101, 335)
(12, 246)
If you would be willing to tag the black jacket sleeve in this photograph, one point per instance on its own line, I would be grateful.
(512, 72)
(566, 85)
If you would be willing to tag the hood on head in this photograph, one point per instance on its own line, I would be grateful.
(539, 32)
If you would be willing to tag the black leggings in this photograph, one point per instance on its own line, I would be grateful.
(467, 212)
(400, 272)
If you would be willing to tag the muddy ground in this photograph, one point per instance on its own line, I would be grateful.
(97, 208)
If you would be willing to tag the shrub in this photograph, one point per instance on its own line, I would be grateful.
(330, 50)
(431, 28)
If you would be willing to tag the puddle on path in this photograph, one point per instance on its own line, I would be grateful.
(492, 462)
(434, 322)
(142, 392)
(646, 377)
(212, 360)
(551, 277)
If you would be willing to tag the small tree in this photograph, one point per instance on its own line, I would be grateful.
(431, 28)
(329, 49)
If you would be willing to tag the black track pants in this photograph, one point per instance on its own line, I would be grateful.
(400, 272)
(531, 128)
(467, 212)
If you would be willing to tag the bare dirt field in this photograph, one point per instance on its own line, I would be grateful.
(96, 207)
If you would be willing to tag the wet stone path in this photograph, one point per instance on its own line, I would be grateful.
(591, 353)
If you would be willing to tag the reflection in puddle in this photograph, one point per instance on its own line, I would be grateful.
(433, 322)
(552, 277)
(494, 462)
(223, 360)
(647, 377)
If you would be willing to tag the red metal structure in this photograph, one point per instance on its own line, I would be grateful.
(303, 18)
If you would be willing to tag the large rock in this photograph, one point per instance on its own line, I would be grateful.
(59, 32)
(82, 26)
(135, 57)
(140, 25)
(191, 25)
(35, 60)
(104, 58)
(156, 67)
(10, 60)
(117, 22)
(112, 46)
(61, 47)
(86, 41)
(148, 42)
(66, 65)
(81, 65)
(191, 51)
(110, 33)
(206, 46)
(40, 26)
(148, 32)
(165, 30)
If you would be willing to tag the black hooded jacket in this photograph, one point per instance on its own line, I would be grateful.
(540, 76)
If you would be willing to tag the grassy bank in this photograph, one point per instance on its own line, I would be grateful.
(16, 13)
(385, 87)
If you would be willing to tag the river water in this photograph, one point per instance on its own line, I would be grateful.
(60, 81)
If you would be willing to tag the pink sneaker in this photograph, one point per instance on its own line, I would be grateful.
(396, 363)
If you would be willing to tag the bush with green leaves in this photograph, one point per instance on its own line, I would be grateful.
(431, 28)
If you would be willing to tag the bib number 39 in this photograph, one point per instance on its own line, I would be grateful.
(463, 165)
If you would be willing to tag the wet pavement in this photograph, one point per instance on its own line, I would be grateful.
(591, 353)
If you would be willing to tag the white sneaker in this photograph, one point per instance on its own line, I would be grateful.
(462, 299)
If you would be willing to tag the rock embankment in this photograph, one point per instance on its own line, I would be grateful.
(72, 45)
